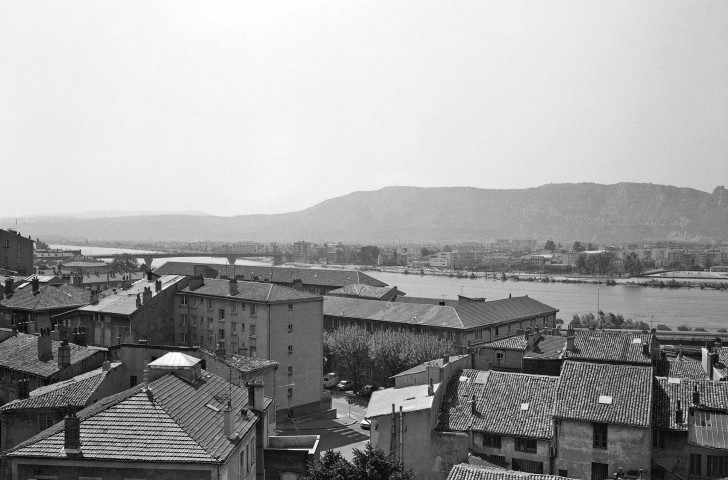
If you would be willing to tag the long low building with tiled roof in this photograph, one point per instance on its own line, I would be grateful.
(318, 281)
(464, 324)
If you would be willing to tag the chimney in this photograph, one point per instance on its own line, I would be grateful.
(233, 286)
(72, 434)
(473, 409)
(138, 301)
(106, 366)
(679, 414)
(64, 353)
(228, 426)
(158, 286)
(570, 340)
(718, 343)
(45, 345)
(196, 282)
(150, 276)
(35, 284)
(445, 359)
(220, 351)
(430, 389)
(255, 395)
(696, 396)
(146, 295)
(529, 340)
(94, 297)
(8, 286)
(23, 388)
(646, 348)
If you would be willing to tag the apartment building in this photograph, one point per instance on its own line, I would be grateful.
(16, 252)
(261, 320)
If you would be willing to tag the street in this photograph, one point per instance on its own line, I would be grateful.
(342, 434)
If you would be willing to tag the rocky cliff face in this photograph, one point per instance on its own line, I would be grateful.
(566, 212)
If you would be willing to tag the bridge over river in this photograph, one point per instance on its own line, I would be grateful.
(230, 257)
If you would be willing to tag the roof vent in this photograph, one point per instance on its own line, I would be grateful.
(605, 399)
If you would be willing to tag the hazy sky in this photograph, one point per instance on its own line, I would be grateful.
(234, 107)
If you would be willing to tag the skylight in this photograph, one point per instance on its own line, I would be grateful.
(605, 399)
(636, 340)
(524, 406)
(673, 380)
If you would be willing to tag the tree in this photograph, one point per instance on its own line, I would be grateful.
(722, 330)
(590, 247)
(578, 247)
(368, 255)
(663, 327)
(447, 248)
(374, 464)
(582, 263)
(632, 264)
(683, 328)
(350, 346)
(124, 263)
(426, 252)
(549, 245)
(330, 466)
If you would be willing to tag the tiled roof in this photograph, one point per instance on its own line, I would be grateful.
(667, 391)
(438, 362)
(465, 316)
(592, 392)
(680, 368)
(309, 276)
(74, 392)
(514, 404)
(606, 345)
(172, 423)
(722, 365)
(123, 302)
(363, 291)
(475, 314)
(252, 291)
(517, 342)
(465, 471)
(20, 353)
(49, 297)
(425, 300)
(550, 347)
(241, 363)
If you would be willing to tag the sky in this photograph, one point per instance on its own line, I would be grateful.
(238, 107)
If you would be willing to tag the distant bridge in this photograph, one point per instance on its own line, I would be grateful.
(231, 257)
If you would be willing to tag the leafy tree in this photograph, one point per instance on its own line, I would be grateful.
(350, 346)
(549, 245)
(632, 264)
(590, 247)
(575, 321)
(683, 328)
(368, 255)
(447, 248)
(426, 252)
(578, 247)
(722, 330)
(700, 329)
(374, 464)
(329, 466)
(385, 351)
(582, 265)
(663, 327)
(125, 263)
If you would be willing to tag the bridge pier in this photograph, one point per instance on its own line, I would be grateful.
(148, 263)
(231, 261)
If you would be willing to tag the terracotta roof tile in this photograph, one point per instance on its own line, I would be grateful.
(620, 394)
(512, 404)
(251, 291)
(363, 291)
(20, 353)
(606, 345)
(680, 368)
(471, 472)
(48, 297)
(667, 391)
(242, 363)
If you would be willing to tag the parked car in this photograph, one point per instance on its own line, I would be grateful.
(345, 385)
(331, 379)
(366, 391)
(365, 424)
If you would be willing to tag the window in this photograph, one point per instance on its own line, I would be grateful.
(242, 328)
(210, 325)
(242, 306)
(194, 320)
(290, 348)
(290, 327)
(132, 381)
(529, 466)
(369, 327)
(563, 473)
(717, 466)
(209, 304)
(290, 370)
(183, 338)
(485, 439)
(290, 306)
(183, 300)
(233, 328)
(253, 351)
(600, 435)
(242, 461)
(290, 391)
(527, 445)
(221, 313)
(234, 307)
(211, 343)
(184, 319)
(499, 355)
(221, 334)
(252, 451)
(252, 309)
(496, 331)
(252, 330)
(658, 439)
(45, 420)
(600, 471)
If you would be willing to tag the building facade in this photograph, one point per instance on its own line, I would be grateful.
(16, 252)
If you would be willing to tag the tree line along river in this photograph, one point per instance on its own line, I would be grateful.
(693, 307)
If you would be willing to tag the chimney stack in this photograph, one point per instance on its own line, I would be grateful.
(430, 389)
(158, 286)
(570, 339)
(138, 301)
(64, 353)
(35, 284)
(255, 395)
(678, 413)
(233, 286)
(146, 295)
(150, 276)
(8, 286)
(94, 297)
(228, 423)
(445, 359)
(45, 345)
(473, 408)
(646, 348)
(529, 340)
(718, 343)
(696, 396)
(106, 366)
(72, 434)
(196, 282)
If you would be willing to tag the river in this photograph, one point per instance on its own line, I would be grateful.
(673, 307)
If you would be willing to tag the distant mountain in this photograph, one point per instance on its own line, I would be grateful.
(565, 212)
